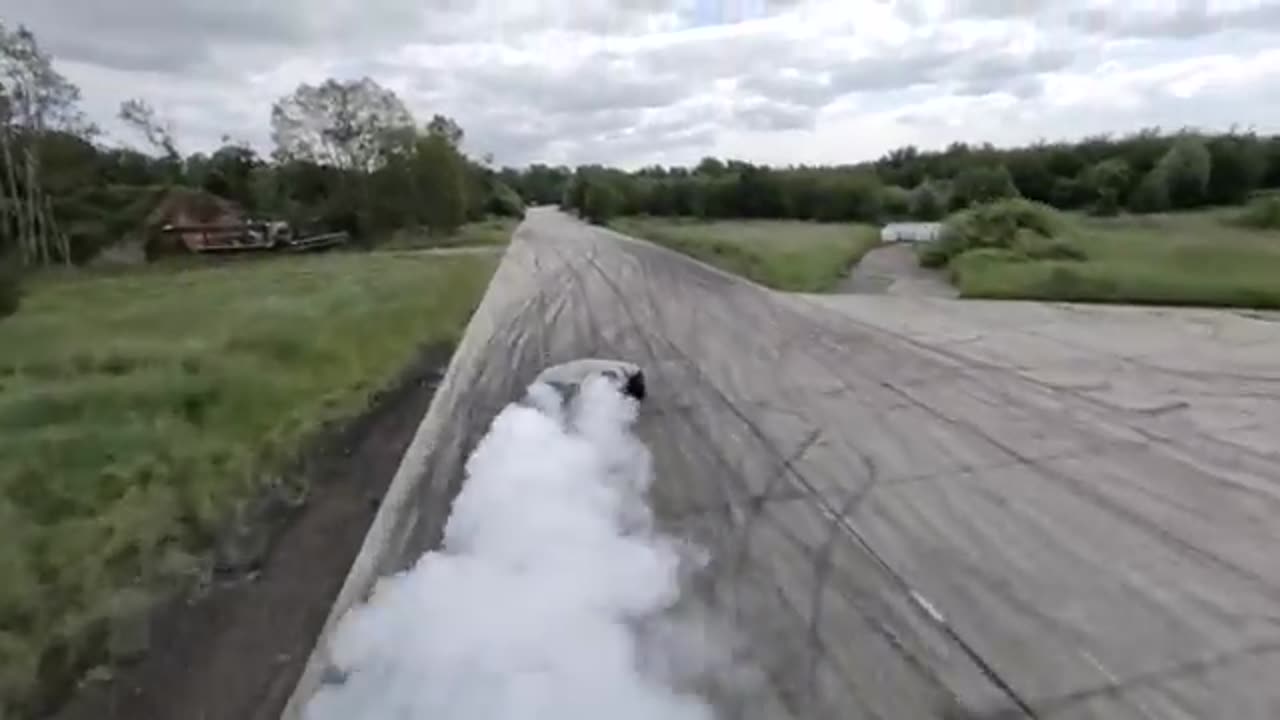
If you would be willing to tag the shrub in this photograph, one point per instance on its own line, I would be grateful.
(505, 202)
(601, 202)
(896, 201)
(934, 255)
(977, 259)
(982, 184)
(1262, 213)
(1152, 194)
(1108, 204)
(927, 202)
(1067, 283)
(1008, 224)
(1036, 247)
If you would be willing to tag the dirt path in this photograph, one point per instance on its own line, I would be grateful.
(236, 653)
(894, 270)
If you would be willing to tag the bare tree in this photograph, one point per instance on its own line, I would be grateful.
(158, 132)
(34, 100)
(348, 124)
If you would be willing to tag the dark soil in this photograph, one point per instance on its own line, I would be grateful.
(237, 651)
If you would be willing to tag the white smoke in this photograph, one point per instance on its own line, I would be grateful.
(533, 608)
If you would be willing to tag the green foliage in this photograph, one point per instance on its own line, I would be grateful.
(1104, 183)
(1186, 170)
(982, 184)
(504, 201)
(438, 182)
(928, 203)
(129, 434)
(1005, 224)
(601, 202)
(1262, 213)
(1183, 259)
(1152, 194)
(1237, 167)
(896, 202)
(539, 184)
(491, 232)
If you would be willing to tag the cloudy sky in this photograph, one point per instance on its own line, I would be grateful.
(633, 82)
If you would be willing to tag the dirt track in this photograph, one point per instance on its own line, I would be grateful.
(917, 508)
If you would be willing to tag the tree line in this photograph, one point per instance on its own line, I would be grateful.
(1148, 171)
(348, 155)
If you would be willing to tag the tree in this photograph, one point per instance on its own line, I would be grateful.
(710, 166)
(1106, 182)
(35, 99)
(1186, 169)
(982, 184)
(439, 181)
(1237, 166)
(1152, 193)
(927, 202)
(446, 128)
(229, 174)
(1029, 170)
(896, 201)
(139, 115)
(348, 125)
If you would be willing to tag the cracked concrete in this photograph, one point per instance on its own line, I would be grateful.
(915, 507)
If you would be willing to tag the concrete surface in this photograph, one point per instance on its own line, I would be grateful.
(894, 270)
(916, 508)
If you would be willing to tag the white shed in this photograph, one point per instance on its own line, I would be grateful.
(912, 232)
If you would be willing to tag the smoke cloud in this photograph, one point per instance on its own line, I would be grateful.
(540, 603)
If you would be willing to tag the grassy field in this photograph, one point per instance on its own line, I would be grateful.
(1175, 259)
(494, 232)
(782, 254)
(138, 411)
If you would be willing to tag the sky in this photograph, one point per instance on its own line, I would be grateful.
(638, 82)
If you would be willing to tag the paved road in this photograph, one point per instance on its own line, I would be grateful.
(918, 508)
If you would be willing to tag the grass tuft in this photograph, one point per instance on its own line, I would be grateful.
(1174, 259)
(493, 232)
(795, 256)
(1262, 213)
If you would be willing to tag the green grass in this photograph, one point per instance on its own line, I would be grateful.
(782, 254)
(492, 232)
(1172, 259)
(138, 411)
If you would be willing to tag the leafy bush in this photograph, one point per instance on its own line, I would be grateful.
(505, 202)
(1152, 193)
(982, 184)
(896, 201)
(934, 255)
(927, 202)
(1107, 205)
(1035, 247)
(1262, 213)
(1186, 168)
(1068, 283)
(601, 202)
(1007, 224)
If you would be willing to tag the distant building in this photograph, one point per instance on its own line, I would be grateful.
(911, 232)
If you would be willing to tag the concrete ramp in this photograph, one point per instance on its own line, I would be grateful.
(915, 508)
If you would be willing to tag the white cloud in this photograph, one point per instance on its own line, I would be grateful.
(640, 81)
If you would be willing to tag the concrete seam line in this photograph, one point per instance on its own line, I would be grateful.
(364, 572)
